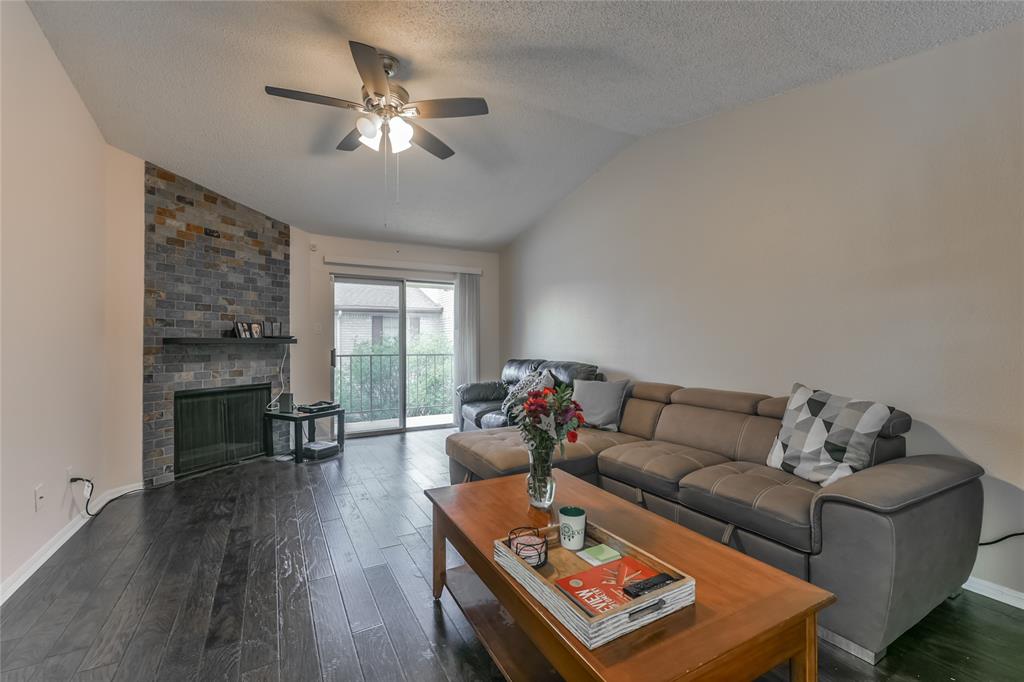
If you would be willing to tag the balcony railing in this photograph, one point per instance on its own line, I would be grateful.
(367, 385)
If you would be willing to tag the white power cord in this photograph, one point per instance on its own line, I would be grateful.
(273, 404)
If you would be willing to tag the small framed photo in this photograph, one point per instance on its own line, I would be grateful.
(242, 330)
(277, 329)
(268, 328)
(256, 328)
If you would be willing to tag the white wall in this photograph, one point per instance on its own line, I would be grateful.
(71, 290)
(124, 291)
(312, 300)
(863, 235)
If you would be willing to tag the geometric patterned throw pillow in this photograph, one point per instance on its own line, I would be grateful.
(825, 437)
(534, 381)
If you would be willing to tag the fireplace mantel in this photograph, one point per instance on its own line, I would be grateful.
(221, 340)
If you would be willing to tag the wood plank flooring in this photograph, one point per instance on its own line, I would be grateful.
(269, 571)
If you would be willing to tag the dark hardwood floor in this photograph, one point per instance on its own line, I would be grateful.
(272, 571)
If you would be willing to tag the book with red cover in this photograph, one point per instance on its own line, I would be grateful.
(599, 589)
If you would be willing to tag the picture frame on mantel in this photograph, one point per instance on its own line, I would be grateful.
(242, 330)
(256, 328)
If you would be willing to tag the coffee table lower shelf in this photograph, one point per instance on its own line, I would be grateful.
(516, 656)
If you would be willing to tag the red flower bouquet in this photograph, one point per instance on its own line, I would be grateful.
(546, 418)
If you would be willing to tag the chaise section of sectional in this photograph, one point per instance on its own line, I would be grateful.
(501, 452)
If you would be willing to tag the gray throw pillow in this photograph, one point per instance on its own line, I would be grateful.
(826, 437)
(601, 402)
(534, 381)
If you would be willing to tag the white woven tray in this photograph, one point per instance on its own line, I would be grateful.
(593, 631)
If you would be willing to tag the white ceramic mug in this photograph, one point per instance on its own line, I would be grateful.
(572, 527)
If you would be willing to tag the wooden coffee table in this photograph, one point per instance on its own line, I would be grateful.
(748, 617)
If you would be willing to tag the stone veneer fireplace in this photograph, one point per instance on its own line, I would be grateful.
(209, 261)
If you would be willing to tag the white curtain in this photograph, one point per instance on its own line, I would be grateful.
(467, 330)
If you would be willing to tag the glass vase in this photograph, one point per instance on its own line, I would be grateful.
(540, 485)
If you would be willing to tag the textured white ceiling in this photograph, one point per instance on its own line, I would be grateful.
(181, 84)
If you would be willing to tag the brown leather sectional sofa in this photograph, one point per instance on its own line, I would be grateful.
(891, 541)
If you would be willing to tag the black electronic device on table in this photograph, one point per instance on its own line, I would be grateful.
(318, 406)
(642, 587)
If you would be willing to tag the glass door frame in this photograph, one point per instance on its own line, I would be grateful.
(403, 359)
(405, 362)
(368, 279)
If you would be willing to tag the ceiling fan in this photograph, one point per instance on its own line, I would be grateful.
(387, 107)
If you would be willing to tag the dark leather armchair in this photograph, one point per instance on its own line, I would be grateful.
(479, 404)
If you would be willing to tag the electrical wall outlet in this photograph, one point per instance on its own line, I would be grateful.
(40, 497)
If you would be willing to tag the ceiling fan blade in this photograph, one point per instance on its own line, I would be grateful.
(351, 141)
(453, 107)
(370, 69)
(428, 141)
(315, 99)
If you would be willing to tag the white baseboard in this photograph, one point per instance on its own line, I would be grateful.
(25, 571)
(994, 591)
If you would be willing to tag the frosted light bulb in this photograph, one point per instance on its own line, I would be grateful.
(399, 130)
(366, 127)
(372, 142)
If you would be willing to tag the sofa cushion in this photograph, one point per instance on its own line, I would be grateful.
(640, 417)
(766, 501)
(567, 371)
(499, 452)
(474, 412)
(600, 402)
(534, 381)
(825, 437)
(481, 391)
(899, 422)
(702, 428)
(494, 420)
(649, 390)
(654, 466)
(756, 438)
(773, 407)
(643, 407)
(715, 399)
(515, 370)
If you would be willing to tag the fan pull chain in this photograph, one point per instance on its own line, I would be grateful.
(384, 142)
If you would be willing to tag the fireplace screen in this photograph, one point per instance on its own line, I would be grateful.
(218, 426)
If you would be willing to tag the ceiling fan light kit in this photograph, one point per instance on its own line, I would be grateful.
(399, 135)
(386, 107)
(369, 125)
(373, 142)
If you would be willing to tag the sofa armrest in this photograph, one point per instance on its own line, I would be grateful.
(481, 391)
(892, 542)
(898, 483)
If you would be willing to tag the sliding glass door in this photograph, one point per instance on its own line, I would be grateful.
(393, 347)
(429, 366)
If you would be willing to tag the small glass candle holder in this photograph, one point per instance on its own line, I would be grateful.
(529, 545)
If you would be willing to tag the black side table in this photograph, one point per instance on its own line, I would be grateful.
(298, 418)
